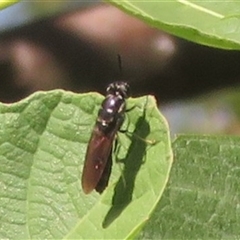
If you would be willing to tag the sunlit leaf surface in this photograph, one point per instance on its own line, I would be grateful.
(43, 141)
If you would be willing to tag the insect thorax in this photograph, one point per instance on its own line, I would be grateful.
(111, 114)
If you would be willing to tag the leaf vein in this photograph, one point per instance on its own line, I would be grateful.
(200, 8)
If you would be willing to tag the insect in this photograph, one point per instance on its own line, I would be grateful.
(98, 160)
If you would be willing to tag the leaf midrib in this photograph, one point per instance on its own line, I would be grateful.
(183, 2)
(200, 8)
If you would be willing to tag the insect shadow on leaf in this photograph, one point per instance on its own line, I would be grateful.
(131, 165)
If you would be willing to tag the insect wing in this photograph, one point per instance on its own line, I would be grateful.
(103, 182)
(98, 152)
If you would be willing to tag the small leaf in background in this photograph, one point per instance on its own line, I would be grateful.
(202, 197)
(212, 23)
(43, 140)
(6, 3)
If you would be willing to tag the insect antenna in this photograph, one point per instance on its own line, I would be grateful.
(120, 64)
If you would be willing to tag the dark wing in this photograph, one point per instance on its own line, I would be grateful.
(98, 152)
(103, 182)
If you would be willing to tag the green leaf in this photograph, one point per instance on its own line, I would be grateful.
(43, 141)
(6, 3)
(202, 197)
(212, 23)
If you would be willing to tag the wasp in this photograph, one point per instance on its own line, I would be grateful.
(98, 160)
